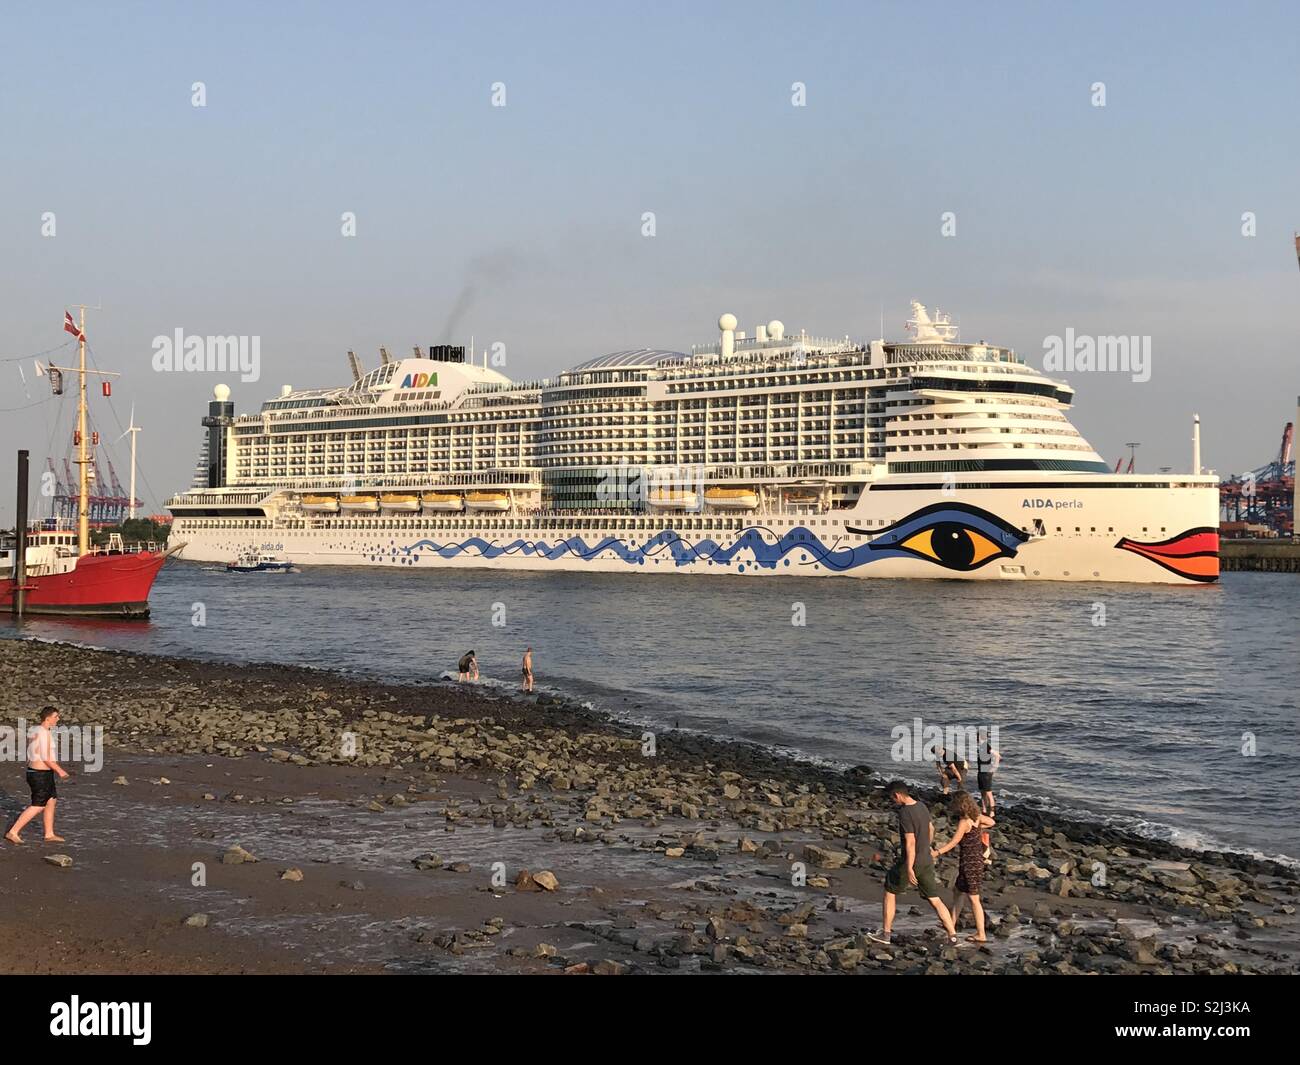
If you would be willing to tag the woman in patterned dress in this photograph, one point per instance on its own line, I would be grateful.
(970, 859)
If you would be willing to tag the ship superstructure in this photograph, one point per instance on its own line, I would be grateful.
(770, 453)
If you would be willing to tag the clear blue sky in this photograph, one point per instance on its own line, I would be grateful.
(226, 219)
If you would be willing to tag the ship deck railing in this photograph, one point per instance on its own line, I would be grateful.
(136, 547)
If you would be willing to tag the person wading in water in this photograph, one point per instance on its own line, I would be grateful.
(528, 670)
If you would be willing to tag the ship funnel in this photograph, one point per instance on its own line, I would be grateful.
(760, 332)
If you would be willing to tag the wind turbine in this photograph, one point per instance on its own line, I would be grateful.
(131, 428)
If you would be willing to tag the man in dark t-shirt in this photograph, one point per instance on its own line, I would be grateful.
(914, 865)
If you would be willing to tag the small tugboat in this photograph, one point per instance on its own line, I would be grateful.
(253, 562)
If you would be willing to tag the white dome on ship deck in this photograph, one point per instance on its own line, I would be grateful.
(632, 359)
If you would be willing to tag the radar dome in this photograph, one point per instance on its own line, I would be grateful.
(776, 329)
(221, 393)
(727, 321)
(286, 390)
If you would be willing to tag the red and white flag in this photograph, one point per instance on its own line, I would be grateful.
(69, 326)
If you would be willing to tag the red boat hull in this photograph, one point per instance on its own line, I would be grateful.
(100, 585)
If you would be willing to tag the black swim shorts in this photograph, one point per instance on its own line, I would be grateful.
(41, 781)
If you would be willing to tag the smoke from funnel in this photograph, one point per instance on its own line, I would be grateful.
(488, 270)
(463, 303)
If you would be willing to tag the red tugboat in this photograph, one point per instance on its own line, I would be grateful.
(57, 571)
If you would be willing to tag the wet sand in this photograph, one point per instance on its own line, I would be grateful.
(412, 810)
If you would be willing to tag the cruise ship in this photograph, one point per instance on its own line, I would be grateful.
(752, 455)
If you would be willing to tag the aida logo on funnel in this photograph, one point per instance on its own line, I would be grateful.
(419, 380)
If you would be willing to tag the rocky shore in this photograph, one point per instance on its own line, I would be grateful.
(348, 825)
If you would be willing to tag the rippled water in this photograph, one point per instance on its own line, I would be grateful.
(1141, 720)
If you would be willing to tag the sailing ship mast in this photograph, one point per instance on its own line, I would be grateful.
(83, 461)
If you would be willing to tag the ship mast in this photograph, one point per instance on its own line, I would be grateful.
(85, 458)
(83, 461)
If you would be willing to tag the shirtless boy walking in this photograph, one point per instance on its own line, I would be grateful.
(41, 771)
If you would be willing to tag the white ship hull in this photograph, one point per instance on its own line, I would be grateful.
(928, 457)
(1081, 533)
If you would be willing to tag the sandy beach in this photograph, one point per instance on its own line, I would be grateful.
(268, 819)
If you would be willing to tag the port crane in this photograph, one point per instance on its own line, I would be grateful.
(1264, 497)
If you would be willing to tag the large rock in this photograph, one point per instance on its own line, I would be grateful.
(236, 855)
(825, 858)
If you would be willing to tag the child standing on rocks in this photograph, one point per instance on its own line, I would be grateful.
(41, 770)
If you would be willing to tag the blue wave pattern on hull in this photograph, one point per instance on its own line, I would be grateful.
(669, 544)
(896, 541)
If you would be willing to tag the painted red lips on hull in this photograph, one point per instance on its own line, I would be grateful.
(1193, 554)
(101, 585)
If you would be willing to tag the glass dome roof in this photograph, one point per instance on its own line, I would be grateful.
(636, 358)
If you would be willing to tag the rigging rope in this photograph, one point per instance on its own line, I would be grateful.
(37, 354)
(26, 406)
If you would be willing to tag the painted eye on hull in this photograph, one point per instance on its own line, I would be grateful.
(956, 536)
(953, 545)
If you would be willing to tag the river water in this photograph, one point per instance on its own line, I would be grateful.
(1172, 711)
